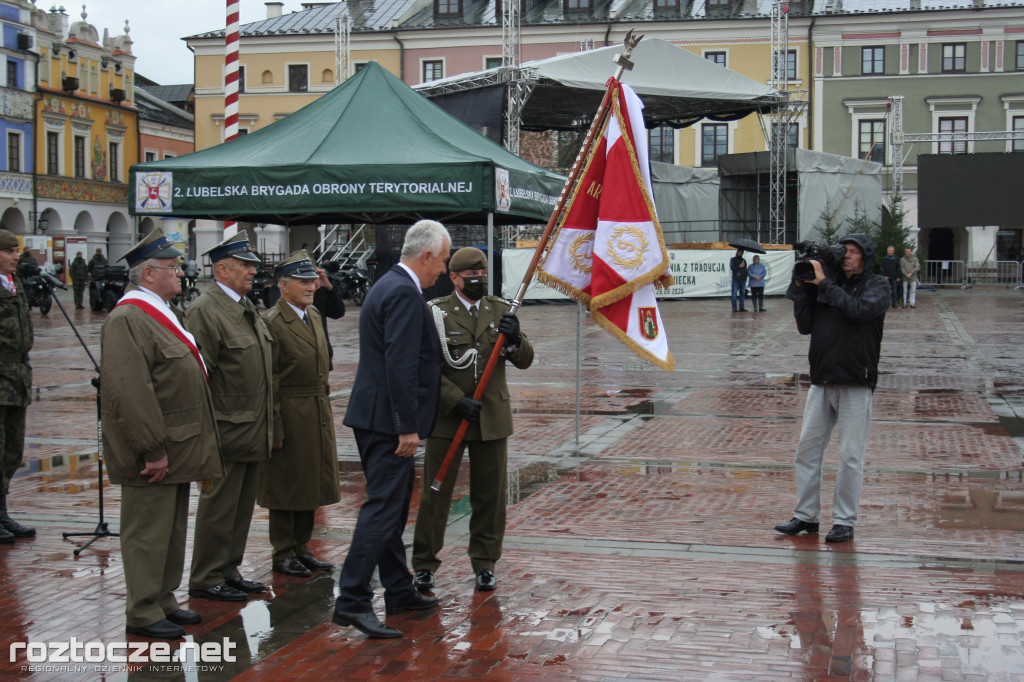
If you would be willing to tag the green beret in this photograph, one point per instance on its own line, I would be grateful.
(7, 240)
(468, 258)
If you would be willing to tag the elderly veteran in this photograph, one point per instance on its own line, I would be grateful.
(15, 379)
(302, 472)
(159, 434)
(236, 346)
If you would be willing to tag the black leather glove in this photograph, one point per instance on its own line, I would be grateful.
(509, 326)
(467, 408)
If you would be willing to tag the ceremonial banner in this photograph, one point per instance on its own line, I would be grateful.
(609, 249)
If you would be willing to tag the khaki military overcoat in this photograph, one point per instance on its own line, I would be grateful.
(302, 475)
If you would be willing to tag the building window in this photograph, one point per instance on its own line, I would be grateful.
(871, 141)
(13, 152)
(956, 128)
(241, 79)
(79, 144)
(791, 65)
(150, 156)
(53, 153)
(115, 162)
(1018, 127)
(1020, 55)
(716, 57)
(954, 58)
(578, 5)
(666, 4)
(872, 60)
(448, 8)
(298, 78)
(359, 66)
(492, 62)
(662, 144)
(433, 69)
(792, 132)
(12, 74)
(714, 143)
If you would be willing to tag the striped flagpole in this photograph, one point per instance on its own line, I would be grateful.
(231, 87)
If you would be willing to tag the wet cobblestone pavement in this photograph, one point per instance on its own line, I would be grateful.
(643, 551)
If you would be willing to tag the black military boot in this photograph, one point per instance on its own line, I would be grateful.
(12, 527)
(6, 538)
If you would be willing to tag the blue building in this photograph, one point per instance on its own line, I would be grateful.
(17, 128)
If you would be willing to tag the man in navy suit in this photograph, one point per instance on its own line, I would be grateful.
(392, 408)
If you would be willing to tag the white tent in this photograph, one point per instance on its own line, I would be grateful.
(678, 87)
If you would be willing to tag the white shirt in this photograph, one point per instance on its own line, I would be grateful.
(232, 294)
(411, 274)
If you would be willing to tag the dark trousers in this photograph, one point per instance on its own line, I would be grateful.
(377, 540)
(222, 525)
(12, 442)
(78, 288)
(488, 485)
(290, 531)
(757, 298)
(895, 283)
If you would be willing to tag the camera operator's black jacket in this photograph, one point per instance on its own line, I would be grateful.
(845, 318)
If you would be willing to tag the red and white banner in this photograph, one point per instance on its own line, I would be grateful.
(609, 250)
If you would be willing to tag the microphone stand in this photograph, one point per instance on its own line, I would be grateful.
(102, 530)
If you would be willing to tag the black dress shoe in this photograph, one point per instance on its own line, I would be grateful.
(314, 564)
(424, 580)
(485, 580)
(6, 537)
(221, 592)
(183, 617)
(367, 623)
(293, 567)
(244, 585)
(15, 528)
(415, 602)
(162, 629)
(839, 534)
(796, 526)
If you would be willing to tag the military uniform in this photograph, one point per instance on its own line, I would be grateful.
(155, 404)
(303, 475)
(236, 345)
(79, 279)
(15, 390)
(486, 438)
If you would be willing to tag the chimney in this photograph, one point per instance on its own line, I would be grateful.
(274, 9)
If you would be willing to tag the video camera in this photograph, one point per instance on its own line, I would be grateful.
(830, 257)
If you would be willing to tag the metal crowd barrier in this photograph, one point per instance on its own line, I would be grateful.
(952, 273)
(947, 273)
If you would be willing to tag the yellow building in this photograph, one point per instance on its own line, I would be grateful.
(87, 135)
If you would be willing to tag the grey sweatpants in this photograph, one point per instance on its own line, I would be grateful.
(849, 409)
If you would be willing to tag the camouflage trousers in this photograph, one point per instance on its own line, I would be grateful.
(12, 442)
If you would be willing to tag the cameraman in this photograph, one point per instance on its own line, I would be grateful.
(845, 319)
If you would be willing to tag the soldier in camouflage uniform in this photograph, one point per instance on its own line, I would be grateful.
(15, 379)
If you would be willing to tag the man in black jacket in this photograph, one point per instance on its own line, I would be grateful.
(891, 271)
(845, 318)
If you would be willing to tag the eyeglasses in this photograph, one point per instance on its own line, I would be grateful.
(167, 267)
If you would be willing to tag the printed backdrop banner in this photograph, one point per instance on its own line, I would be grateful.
(697, 273)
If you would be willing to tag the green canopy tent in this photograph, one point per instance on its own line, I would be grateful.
(371, 150)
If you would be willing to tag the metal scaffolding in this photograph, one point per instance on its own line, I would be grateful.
(342, 49)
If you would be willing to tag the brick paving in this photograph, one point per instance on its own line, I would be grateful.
(642, 551)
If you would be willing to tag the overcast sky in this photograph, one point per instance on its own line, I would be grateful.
(158, 26)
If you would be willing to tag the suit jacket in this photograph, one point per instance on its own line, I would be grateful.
(236, 345)
(462, 333)
(303, 474)
(155, 402)
(399, 375)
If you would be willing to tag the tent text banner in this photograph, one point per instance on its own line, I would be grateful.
(697, 273)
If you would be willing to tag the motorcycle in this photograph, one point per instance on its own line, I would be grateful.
(189, 292)
(264, 288)
(355, 283)
(107, 286)
(38, 288)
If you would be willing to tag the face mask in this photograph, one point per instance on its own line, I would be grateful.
(474, 288)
